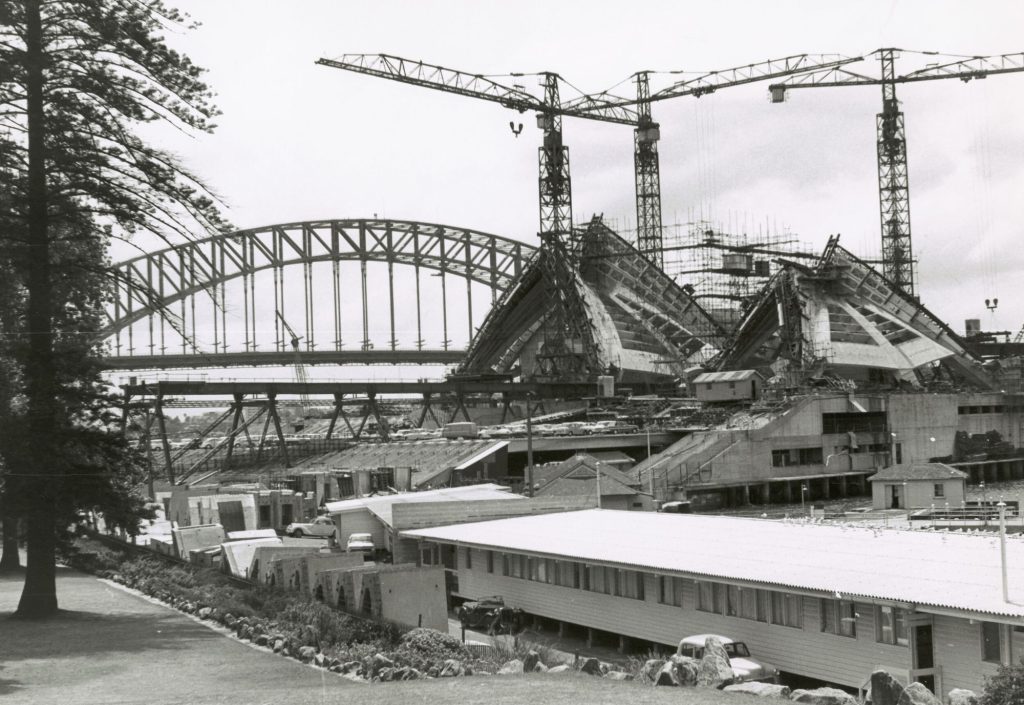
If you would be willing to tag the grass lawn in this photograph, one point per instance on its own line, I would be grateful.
(540, 688)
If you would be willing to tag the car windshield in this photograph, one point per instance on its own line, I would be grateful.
(737, 648)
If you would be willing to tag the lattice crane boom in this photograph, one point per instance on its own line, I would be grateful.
(893, 180)
(300, 367)
(648, 132)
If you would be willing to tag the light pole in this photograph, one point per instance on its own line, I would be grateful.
(1002, 548)
(984, 502)
(803, 491)
(529, 445)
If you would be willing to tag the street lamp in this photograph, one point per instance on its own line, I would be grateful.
(803, 491)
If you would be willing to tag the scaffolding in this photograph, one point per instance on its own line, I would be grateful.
(726, 270)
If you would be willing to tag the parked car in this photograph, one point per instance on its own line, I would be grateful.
(360, 542)
(745, 666)
(321, 527)
(490, 615)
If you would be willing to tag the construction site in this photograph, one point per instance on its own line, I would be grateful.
(766, 370)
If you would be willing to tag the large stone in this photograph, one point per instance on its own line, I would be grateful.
(378, 662)
(685, 669)
(540, 668)
(385, 675)
(307, 653)
(510, 667)
(885, 690)
(262, 640)
(530, 661)
(204, 613)
(761, 690)
(665, 675)
(351, 667)
(279, 646)
(450, 669)
(618, 676)
(823, 696)
(917, 694)
(962, 696)
(715, 670)
(651, 668)
(591, 666)
(560, 668)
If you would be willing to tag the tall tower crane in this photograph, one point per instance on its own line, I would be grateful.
(648, 132)
(300, 366)
(569, 321)
(893, 182)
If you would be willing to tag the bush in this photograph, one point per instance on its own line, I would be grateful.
(1006, 687)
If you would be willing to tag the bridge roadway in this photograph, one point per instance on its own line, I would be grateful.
(515, 390)
(283, 359)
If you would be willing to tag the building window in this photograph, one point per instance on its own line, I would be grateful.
(469, 559)
(939, 490)
(892, 626)
(839, 617)
(732, 600)
(490, 561)
(787, 610)
(991, 647)
(753, 604)
(732, 385)
(796, 456)
(705, 596)
(670, 591)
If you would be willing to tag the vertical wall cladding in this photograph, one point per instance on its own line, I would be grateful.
(917, 418)
(958, 651)
(414, 597)
(806, 651)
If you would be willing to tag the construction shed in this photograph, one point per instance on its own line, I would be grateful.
(734, 385)
(917, 486)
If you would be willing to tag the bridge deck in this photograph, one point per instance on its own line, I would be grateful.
(284, 359)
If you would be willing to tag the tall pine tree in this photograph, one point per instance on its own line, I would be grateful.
(77, 78)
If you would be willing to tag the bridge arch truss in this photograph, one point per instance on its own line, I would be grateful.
(235, 295)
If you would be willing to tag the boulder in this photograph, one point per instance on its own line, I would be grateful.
(651, 668)
(591, 666)
(665, 675)
(823, 696)
(351, 667)
(560, 668)
(917, 694)
(432, 672)
(714, 670)
(510, 667)
(530, 661)
(685, 670)
(262, 640)
(378, 662)
(279, 646)
(332, 663)
(762, 690)
(618, 676)
(540, 668)
(450, 669)
(204, 613)
(335, 668)
(385, 675)
(885, 690)
(307, 653)
(320, 661)
(962, 696)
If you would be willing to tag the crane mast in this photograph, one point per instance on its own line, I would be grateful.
(648, 176)
(893, 180)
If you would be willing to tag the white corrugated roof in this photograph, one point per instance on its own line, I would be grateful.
(381, 505)
(925, 568)
(727, 376)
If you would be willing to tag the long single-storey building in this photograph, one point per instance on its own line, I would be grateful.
(825, 601)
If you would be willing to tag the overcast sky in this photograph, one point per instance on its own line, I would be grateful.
(298, 141)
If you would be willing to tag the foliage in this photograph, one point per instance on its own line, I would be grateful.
(1006, 687)
(77, 78)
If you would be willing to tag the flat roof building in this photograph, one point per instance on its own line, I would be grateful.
(831, 602)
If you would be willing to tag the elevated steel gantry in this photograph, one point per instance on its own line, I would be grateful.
(893, 181)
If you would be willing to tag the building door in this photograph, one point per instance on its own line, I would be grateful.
(924, 655)
(895, 496)
(286, 514)
(231, 516)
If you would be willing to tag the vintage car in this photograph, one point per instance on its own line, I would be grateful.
(745, 666)
(321, 527)
(360, 543)
(490, 615)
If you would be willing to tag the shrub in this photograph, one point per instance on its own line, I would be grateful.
(1006, 687)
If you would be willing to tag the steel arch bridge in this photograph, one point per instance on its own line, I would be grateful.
(272, 295)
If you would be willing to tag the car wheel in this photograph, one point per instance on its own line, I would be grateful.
(297, 534)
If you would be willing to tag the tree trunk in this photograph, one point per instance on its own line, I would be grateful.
(10, 561)
(39, 596)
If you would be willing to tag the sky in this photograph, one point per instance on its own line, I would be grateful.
(297, 141)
